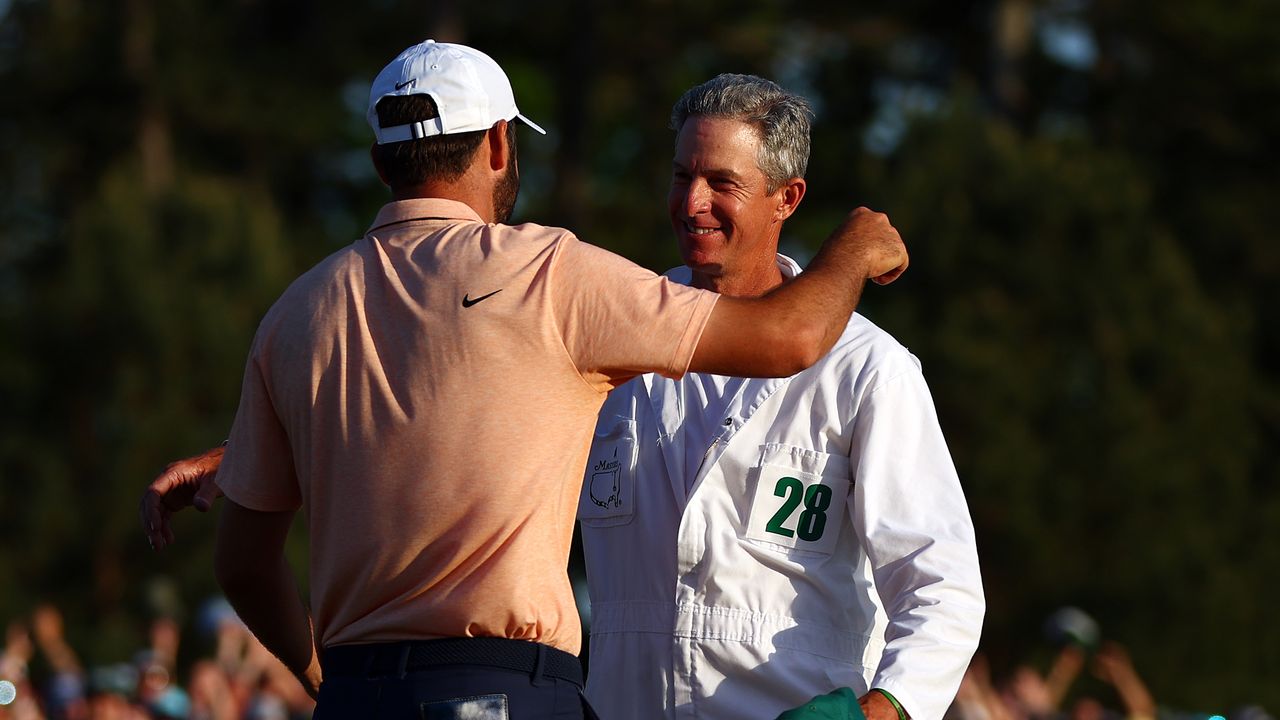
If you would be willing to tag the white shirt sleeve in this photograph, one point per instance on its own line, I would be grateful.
(910, 513)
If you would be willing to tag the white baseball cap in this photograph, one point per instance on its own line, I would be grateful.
(470, 90)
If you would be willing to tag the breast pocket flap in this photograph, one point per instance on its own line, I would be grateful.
(799, 498)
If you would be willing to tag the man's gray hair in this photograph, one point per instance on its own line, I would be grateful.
(781, 119)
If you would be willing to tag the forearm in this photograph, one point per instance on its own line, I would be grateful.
(863, 247)
(49, 636)
(264, 596)
(777, 335)
(822, 298)
(1111, 663)
(60, 656)
(1137, 700)
(251, 569)
(1062, 673)
(794, 325)
(802, 318)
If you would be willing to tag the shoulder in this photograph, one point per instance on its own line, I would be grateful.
(558, 245)
(317, 282)
(867, 355)
(548, 234)
(313, 298)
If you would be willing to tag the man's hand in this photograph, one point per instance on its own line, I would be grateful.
(311, 678)
(876, 240)
(876, 706)
(188, 482)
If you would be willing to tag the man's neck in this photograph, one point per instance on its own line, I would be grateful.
(464, 192)
(742, 283)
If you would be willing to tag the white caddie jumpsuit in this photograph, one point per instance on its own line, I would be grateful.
(816, 537)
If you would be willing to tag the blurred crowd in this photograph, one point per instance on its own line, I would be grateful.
(239, 680)
(1026, 694)
(1088, 678)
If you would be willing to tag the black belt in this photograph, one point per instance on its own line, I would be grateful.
(395, 658)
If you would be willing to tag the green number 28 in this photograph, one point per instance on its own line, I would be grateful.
(813, 519)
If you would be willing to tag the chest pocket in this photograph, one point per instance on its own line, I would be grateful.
(608, 489)
(799, 498)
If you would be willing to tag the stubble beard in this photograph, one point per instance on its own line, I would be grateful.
(505, 192)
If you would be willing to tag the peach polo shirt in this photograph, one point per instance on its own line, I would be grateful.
(428, 396)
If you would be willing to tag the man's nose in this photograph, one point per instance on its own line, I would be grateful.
(697, 198)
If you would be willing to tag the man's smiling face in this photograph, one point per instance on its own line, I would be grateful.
(726, 222)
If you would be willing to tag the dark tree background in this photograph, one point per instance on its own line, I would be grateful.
(1089, 189)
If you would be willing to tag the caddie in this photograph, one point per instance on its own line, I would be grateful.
(756, 547)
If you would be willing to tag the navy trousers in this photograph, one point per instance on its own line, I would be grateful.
(452, 679)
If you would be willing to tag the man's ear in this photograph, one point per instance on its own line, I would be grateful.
(377, 164)
(789, 197)
(499, 148)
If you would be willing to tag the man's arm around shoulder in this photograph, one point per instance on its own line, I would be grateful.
(791, 327)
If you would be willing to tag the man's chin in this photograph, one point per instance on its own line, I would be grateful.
(703, 265)
(703, 258)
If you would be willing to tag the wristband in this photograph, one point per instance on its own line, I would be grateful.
(902, 714)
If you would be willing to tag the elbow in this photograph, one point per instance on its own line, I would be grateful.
(806, 343)
(792, 350)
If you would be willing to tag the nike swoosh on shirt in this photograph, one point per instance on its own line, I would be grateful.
(468, 302)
